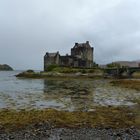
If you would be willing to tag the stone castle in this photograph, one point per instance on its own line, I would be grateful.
(81, 57)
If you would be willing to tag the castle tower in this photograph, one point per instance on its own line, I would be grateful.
(51, 59)
(84, 54)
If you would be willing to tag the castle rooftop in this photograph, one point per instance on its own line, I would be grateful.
(82, 45)
(52, 54)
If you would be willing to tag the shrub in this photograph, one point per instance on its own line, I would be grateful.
(83, 71)
(30, 71)
(113, 65)
(91, 71)
(51, 67)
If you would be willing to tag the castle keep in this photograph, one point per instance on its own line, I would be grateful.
(81, 57)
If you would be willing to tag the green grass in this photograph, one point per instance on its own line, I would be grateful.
(72, 70)
(55, 68)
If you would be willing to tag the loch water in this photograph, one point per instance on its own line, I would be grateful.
(61, 94)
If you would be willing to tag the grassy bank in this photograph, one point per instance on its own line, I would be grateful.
(113, 117)
(132, 84)
(63, 72)
(72, 70)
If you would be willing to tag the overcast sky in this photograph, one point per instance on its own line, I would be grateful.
(30, 28)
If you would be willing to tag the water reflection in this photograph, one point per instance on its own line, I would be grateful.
(85, 95)
(74, 94)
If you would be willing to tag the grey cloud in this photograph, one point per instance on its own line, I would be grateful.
(29, 28)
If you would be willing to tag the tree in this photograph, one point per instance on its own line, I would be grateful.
(113, 65)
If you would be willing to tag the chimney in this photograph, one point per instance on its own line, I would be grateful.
(87, 42)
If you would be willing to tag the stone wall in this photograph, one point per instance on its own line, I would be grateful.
(51, 59)
(84, 52)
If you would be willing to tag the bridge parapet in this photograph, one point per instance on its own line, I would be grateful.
(120, 71)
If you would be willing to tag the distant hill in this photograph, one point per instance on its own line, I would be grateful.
(138, 61)
(128, 63)
(5, 67)
(135, 63)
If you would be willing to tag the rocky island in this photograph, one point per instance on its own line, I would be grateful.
(5, 67)
(63, 72)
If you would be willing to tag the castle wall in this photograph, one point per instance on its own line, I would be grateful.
(84, 52)
(66, 61)
(51, 60)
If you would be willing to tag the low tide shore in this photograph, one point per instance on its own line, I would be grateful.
(102, 123)
(127, 83)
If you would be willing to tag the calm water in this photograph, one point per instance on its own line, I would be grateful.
(61, 94)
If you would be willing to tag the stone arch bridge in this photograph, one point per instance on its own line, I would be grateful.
(118, 72)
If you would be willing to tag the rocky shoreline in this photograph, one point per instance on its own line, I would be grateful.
(45, 131)
(58, 75)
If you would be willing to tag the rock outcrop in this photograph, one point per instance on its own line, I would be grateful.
(5, 67)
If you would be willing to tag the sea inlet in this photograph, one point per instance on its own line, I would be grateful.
(62, 94)
(95, 99)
